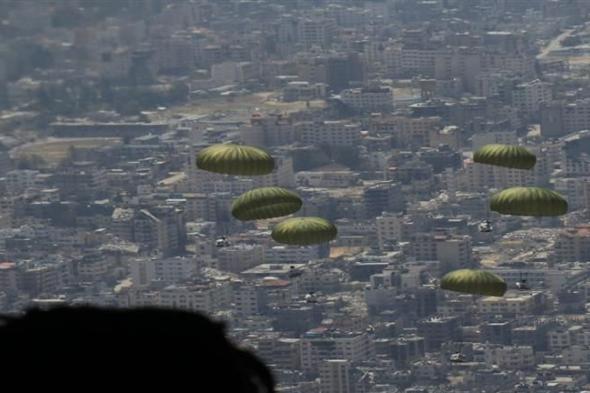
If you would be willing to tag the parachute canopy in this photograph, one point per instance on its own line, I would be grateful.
(529, 201)
(475, 282)
(505, 155)
(265, 202)
(232, 159)
(303, 231)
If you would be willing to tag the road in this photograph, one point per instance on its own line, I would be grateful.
(554, 43)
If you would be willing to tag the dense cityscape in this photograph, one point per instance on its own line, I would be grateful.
(372, 112)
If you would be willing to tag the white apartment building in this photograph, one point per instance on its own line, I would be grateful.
(354, 347)
(517, 303)
(510, 357)
(390, 229)
(207, 298)
(368, 99)
(527, 97)
(285, 254)
(333, 132)
(240, 257)
(170, 270)
(316, 31)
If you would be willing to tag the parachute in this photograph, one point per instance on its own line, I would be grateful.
(303, 231)
(232, 159)
(506, 156)
(529, 201)
(265, 202)
(475, 282)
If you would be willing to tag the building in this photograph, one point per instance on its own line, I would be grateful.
(510, 357)
(559, 118)
(145, 271)
(208, 298)
(453, 251)
(19, 180)
(268, 130)
(8, 278)
(239, 257)
(326, 177)
(284, 254)
(406, 131)
(573, 244)
(282, 176)
(316, 32)
(512, 304)
(248, 298)
(439, 330)
(333, 133)
(494, 137)
(80, 178)
(363, 100)
(36, 281)
(528, 97)
(496, 332)
(283, 353)
(161, 229)
(576, 191)
(335, 376)
(474, 177)
(382, 197)
(117, 130)
(320, 344)
(404, 349)
(92, 267)
(390, 229)
(304, 91)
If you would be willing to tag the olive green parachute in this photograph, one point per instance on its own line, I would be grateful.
(475, 282)
(505, 155)
(529, 201)
(265, 202)
(303, 231)
(232, 159)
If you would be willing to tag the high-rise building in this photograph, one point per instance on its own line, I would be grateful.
(167, 270)
(528, 97)
(559, 118)
(390, 229)
(573, 244)
(453, 251)
(316, 32)
(335, 376)
(333, 132)
(497, 332)
(352, 346)
(383, 197)
(8, 278)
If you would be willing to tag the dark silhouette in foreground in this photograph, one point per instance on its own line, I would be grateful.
(111, 348)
